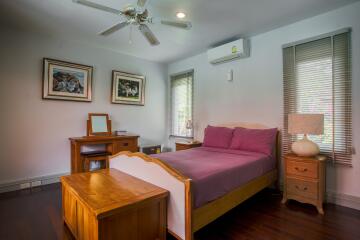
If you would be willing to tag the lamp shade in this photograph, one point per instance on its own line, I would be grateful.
(306, 123)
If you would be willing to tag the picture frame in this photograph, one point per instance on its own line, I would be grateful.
(66, 81)
(127, 88)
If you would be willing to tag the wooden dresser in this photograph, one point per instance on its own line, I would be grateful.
(185, 145)
(109, 204)
(304, 180)
(113, 143)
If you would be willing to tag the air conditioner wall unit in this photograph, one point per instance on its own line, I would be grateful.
(229, 51)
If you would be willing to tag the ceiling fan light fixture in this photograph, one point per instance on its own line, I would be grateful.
(180, 15)
(136, 16)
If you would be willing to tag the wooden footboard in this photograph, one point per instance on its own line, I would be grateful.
(183, 220)
(159, 173)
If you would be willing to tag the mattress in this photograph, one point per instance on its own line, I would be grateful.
(216, 171)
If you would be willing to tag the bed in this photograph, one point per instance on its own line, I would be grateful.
(234, 176)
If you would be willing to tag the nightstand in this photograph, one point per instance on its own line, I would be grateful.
(151, 149)
(304, 180)
(187, 145)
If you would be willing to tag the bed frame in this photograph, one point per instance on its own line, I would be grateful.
(183, 219)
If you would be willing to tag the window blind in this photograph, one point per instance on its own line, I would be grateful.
(317, 79)
(182, 104)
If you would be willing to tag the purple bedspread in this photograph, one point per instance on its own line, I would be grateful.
(217, 171)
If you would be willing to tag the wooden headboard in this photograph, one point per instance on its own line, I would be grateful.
(244, 125)
(199, 132)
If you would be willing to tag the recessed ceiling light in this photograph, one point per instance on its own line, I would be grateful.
(180, 15)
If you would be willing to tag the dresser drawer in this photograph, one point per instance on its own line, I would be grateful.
(308, 189)
(303, 169)
(126, 145)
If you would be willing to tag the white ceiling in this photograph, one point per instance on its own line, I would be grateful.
(214, 21)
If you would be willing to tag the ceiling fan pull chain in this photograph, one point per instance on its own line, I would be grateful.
(130, 35)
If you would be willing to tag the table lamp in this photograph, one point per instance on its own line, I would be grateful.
(305, 124)
(189, 126)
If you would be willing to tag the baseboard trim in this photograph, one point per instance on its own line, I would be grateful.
(331, 196)
(343, 199)
(31, 182)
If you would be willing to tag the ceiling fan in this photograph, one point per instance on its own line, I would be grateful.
(137, 16)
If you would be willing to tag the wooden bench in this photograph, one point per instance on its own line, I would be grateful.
(95, 156)
(109, 204)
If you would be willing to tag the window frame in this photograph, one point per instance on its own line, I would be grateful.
(172, 78)
(290, 78)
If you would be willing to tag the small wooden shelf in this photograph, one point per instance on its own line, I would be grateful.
(101, 156)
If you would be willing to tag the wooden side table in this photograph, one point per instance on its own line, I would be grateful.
(304, 180)
(110, 204)
(187, 145)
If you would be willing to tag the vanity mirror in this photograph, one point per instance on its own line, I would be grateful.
(98, 124)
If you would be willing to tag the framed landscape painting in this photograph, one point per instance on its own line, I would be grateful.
(67, 81)
(128, 88)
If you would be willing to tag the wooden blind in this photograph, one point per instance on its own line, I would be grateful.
(317, 79)
(181, 104)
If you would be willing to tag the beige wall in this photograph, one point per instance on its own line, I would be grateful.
(256, 94)
(34, 132)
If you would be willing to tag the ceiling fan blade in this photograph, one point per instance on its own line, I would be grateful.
(98, 6)
(148, 34)
(114, 28)
(141, 3)
(178, 24)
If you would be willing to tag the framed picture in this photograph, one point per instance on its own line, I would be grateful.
(66, 81)
(128, 88)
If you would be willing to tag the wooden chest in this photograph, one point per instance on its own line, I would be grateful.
(109, 204)
(305, 180)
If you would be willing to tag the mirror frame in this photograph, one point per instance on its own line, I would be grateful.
(89, 125)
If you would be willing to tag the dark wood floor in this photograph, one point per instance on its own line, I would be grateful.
(36, 214)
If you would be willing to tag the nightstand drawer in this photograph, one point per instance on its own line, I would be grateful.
(308, 189)
(185, 146)
(303, 169)
(181, 147)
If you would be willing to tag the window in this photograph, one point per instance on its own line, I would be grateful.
(182, 104)
(317, 79)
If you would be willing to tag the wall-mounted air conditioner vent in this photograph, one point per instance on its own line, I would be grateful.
(230, 51)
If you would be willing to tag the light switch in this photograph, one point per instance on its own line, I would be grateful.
(229, 75)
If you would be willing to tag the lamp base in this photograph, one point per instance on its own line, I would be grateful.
(305, 148)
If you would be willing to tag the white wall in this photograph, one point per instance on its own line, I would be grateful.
(34, 132)
(256, 94)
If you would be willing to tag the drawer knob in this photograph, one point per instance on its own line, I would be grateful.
(301, 170)
(125, 144)
(302, 189)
